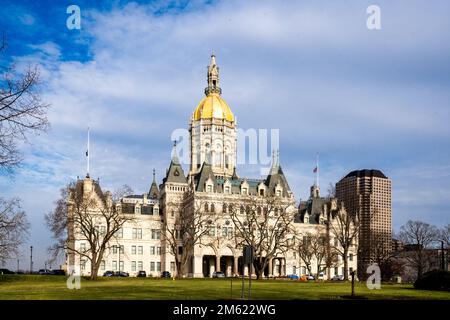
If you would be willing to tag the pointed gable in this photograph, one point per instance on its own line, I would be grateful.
(175, 172)
(204, 174)
(153, 193)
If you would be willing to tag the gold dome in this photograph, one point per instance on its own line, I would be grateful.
(213, 106)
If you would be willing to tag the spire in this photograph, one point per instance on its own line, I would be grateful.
(175, 159)
(213, 77)
(234, 176)
(275, 163)
(153, 193)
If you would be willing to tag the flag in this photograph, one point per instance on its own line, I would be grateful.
(87, 153)
(315, 169)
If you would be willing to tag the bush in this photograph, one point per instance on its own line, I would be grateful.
(434, 280)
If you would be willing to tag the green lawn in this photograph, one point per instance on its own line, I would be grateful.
(54, 287)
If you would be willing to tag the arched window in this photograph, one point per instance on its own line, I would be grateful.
(206, 207)
(242, 210)
(218, 156)
(258, 210)
(224, 208)
(212, 208)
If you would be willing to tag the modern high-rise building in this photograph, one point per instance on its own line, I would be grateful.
(367, 195)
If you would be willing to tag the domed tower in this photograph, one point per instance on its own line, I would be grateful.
(213, 130)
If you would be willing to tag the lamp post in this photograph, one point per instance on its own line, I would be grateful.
(31, 259)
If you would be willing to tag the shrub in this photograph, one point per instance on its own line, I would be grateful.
(434, 280)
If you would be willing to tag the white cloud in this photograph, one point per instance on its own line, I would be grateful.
(312, 70)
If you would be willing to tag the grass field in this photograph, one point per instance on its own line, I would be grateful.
(54, 287)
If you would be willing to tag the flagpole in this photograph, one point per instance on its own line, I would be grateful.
(317, 171)
(87, 153)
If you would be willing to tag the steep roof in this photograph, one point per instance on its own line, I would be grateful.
(275, 176)
(314, 207)
(175, 172)
(204, 174)
(153, 193)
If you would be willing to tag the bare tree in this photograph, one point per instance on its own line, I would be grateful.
(89, 215)
(13, 227)
(306, 252)
(266, 224)
(345, 229)
(322, 255)
(445, 235)
(22, 111)
(384, 257)
(191, 223)
(331, 190)
(420, 237)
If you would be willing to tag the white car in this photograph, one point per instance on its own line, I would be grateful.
(338, 278)
(311, 277)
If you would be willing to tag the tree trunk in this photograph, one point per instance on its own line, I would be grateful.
(259, 274)
(344, 256)
(180, 268)
(94, 267)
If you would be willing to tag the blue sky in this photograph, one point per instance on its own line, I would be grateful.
(136, 71)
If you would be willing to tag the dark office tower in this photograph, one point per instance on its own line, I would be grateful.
(367, 194)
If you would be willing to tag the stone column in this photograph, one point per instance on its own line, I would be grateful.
(236, 265)
(212, 267)
(217, 263)
(282, 267)
(198, 267)
(229, 267)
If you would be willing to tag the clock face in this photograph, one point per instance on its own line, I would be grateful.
(176, 173)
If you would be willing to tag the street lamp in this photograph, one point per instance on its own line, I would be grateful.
(31, 259)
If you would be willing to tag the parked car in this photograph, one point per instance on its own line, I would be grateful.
(337, 278)
(311, 277)
(6, 271)
(321, 276)
(141, 274)
(218, 274)
(44, 272)
(293, 276)
(303, 278)
(166, 274)
(58, 272)
(108, 274)
(121, 274)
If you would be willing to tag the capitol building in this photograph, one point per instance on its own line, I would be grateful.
(212, 195)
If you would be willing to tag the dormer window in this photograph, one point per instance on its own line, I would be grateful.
(261, 192)
(244, 190)
(209, 188)
(306, 219)
(227, 189)
(278, 193)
